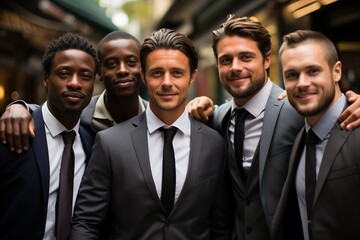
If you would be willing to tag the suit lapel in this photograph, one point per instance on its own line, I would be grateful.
(40, 149)
(335, 143)
(272, 110)
(140, 144)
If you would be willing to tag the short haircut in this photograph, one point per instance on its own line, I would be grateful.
(170, 40)
(293, 39)
(243, 27)
(115, 35)
(67, 42)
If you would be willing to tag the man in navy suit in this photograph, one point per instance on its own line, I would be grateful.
(29, 182)
(123, 189)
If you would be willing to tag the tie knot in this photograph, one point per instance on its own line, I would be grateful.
(311, 137)
(68, 137)
(169, 133)
(241, 114)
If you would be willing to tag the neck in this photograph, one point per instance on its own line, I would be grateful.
(123, 108)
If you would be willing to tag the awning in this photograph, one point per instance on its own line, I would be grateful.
(88, 11)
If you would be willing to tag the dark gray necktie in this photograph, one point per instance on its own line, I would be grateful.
(65, 193)
(169, 172)
(310, 172)
(239, 136)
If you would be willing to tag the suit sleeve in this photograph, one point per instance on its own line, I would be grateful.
(92, 204)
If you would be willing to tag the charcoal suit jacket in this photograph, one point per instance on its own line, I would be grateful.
(118, 194)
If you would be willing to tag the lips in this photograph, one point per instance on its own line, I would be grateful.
(73, 96)
(124, 83)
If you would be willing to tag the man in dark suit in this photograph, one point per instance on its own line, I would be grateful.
(326, 208)
(123, 186)
(242, 49)
(119, 55)
(29, 182)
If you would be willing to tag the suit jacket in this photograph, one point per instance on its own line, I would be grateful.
(280, 127)
(118, 189)
(88, 113)
(24, 185)
(337, 192)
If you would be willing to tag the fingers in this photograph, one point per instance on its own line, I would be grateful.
(282, 95)
(201, 108)
(14, 128)
(350, 118)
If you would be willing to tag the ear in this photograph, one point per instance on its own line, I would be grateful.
(267, 60)
(45, 80)
(143, 77)
(336, 71)
(193, 76)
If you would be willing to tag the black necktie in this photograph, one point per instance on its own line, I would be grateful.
(310, 172)
(239, 136)
(65, 193)
(169, 176)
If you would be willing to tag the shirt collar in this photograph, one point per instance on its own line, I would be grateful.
(328, 119)
(52, 123)
(256, 105)
(154, 123)
(101, 112)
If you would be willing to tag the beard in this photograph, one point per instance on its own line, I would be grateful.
(323, 103)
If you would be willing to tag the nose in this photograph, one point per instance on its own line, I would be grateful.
(236, 65)
(303, 80)
(122, 69)
(167, 80)
(74, 82)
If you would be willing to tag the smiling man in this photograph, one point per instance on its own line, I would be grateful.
(141, 188)
(31, 202)
(321, 193)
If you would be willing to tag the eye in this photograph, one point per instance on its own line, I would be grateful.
(86, 76)
(246, 57)
(225, 60)
(63, 74)
(291, 75)
(156, 73)
(313, 71)
(177, 73)
(132, 62)
(110, 64)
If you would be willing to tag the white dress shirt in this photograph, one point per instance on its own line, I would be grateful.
(181, 144)
(322, 129)
(253, 123)
(55, 144)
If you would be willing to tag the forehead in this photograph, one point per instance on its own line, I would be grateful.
(167, 58)
(236, 44)
(126, 46)
(304, 54)
(73, 58)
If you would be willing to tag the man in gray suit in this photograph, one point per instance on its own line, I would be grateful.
(123, 186)
(326, 208)
(242, 49)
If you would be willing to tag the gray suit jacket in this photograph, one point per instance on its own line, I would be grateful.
(280, 127)
(118, 192)
(336, 211)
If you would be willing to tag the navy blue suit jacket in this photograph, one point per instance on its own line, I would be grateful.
(24, 185)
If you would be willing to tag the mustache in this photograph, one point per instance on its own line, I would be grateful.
(76, 94)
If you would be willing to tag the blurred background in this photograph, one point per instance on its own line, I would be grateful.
(26, 27)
